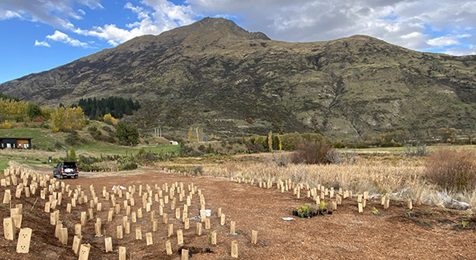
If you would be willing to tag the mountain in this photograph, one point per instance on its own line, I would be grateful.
(218, 76)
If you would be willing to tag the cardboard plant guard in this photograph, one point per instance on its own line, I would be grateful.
(179, 237)
(213, 239)
(77, 229)
(7, 197)
(122, 253)
(108, 244)
(184, 255)
(8, 229)
(168, 247)
(84, 252)
(24, 238)
(148, 237)
(234, 249)
(138, 233)
(64, 236)
(119, 232)
(76, 244)
(254, 237)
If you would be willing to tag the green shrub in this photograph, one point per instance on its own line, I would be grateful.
(73, 138)
(127, 134)
(128, 166)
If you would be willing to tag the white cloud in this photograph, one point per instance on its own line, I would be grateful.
(58, 36)
(53, 12)
(7, 14)
(42, 43)
(443, 41)
(415, 24)
(409, 23)
(157, 17)
(458, 51)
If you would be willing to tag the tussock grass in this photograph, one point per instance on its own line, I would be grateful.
(402, 181)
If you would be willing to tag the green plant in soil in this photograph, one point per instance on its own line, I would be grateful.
(375, 211)
(322, 205)
(304, 210)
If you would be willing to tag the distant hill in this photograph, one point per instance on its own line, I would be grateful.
(218, 76)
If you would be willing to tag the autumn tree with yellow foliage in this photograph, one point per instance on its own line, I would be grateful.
(12, 109)
(109, 119)
(65, 119)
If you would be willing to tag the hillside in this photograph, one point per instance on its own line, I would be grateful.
(216, 75)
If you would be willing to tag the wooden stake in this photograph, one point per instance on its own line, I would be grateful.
(410, 204)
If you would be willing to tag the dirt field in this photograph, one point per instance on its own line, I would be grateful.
(425, 233)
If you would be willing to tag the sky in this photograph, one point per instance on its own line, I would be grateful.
(38, 35)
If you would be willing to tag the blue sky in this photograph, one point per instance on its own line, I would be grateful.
(38, 35)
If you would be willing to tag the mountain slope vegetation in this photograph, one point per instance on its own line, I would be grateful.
(216, 75)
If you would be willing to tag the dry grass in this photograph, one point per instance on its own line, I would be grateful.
(452, 169)
(401, 181)
(312, 153)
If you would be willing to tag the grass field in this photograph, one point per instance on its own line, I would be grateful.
(403, 149)
(3, 164)
(112, 149)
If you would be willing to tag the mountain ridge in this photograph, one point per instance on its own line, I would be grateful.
(239, 82)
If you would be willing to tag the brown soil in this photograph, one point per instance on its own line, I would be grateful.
(425, 233)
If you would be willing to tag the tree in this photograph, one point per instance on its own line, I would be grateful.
(190, 135)
(71, 155)
(108, 118)
(278, 143)
(127, 134)
(65, 119)
(33, 110)
(270, 141)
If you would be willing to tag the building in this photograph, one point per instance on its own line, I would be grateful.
(15, 143)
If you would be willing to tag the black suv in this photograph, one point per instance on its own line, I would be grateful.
(66, 169)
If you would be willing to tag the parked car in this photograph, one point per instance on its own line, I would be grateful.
(65, 170)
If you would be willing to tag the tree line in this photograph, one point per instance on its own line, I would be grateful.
(116, 106)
